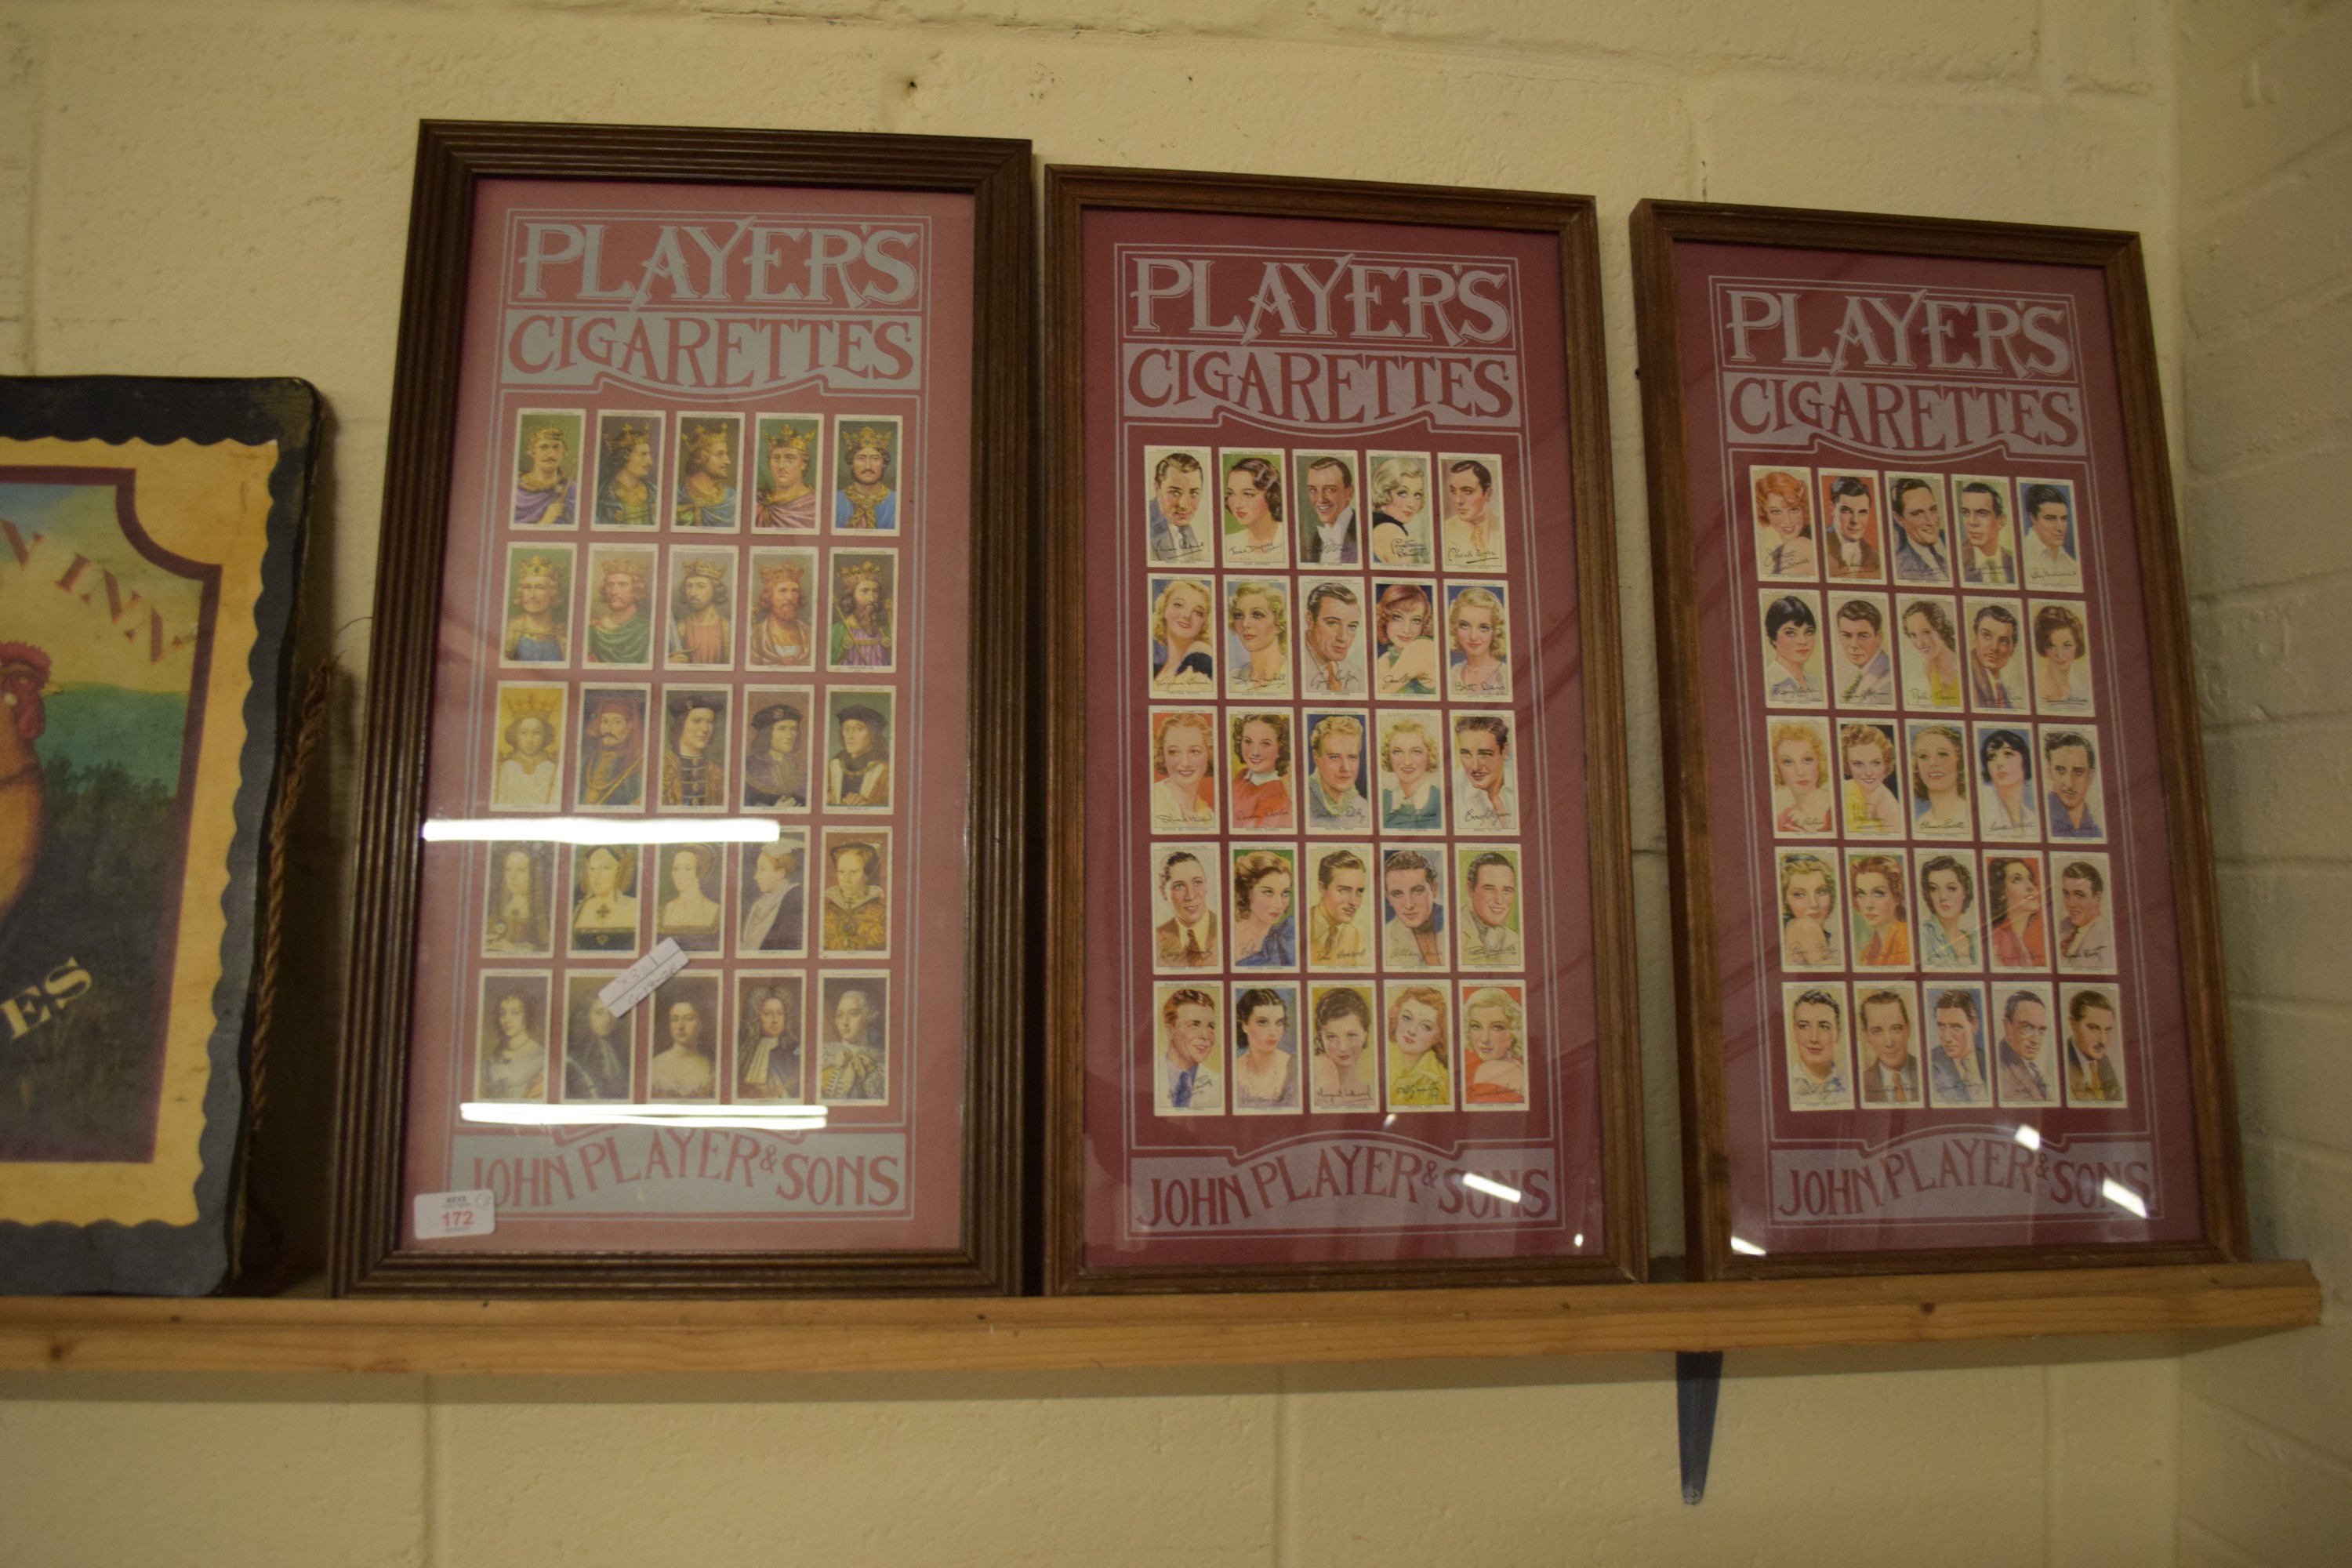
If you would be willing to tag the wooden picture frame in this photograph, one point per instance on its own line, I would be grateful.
(2034, 415)
(850, 303)
(1102, 988)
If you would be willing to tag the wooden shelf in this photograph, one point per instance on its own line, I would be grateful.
(287, 1335)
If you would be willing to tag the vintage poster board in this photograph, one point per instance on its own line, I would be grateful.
(151, 536)
(1950, 987)
(698, 632)
(1340, 984)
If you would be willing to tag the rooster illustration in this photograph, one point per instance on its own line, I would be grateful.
(23, 672)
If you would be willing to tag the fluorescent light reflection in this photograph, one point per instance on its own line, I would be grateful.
(1580, 1238)
(606, 830)
(2029, 1136)
(783, 1119)
(1478, 1184)
(2122, 1197)
(1746, 1248)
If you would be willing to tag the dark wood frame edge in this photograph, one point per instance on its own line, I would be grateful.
(1657, 226)
(1070, 192)
(366, 1256)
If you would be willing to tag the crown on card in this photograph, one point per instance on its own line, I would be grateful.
(772, 575)
(714, 570)
(527, 702)
(538, 566)
(626, 436)
(786, 438)
(868, 436)
(853, 573)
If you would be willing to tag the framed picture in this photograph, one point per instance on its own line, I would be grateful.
(1341, 988)
(151, 542)
(690, 878)
(1951, 991)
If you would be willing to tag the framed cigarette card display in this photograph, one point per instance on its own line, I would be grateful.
(1951, 986)
(151, 541)
(1339, 985)
(687, 939)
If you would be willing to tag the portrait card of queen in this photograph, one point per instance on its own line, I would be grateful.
(1968, 896)
(149, 541)
(704, 629)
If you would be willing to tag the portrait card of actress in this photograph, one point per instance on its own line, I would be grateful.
(1331, 642)
(770, 1022)
(1489, 908)
(620, 609)
(779, 632)
(1477, 642)
(1870, 773)
(1268, 1026)
(1181, 627)
(1950, 920)
(2074, 808)
(2061, 659)
(1188, 885)
(864, 639)
(511, 1058)
(1930, 637)
(1887, 1023)
(790, 488)
(1813, 934)
(854, 911)
(778, 725)
(1330, 529)
(1878, 901)
(700, 626)
(858, 738)
(1798, 758)
(2096, 1047)
(2027, 1073)
(1265, 883)
(1183, 766)
(1405, 640)
(2017, 917)
(1959, 1060)
(1251, 516)
(1988, 542)
(1863, 668)
(1921, 530)
(1338, 781)
(774, 883)
(687, 1029)
(691, 907)
(518, 902)
(2045, 512)
(2086, 918)
(869, 481)
(1853, 533)
(1415, 898)
(1473, 534)
(694, 730)
(1257, 638)
(537, 606)
(1412, 774)
(1495, 1047)
(613, 743)
(853, 1059)
(1338, 892)
(547, 447)
(1398, 490)
(1417, 1017)
(1787, 548)
(1791, 624)
(527, 766)
(1485, 773)
(708, 496)
(1263, 794)
(1814, 1034)
(1175, 482)
(1188, 1048)
(600, 1051)
(1939, 774)
(1343, 1071)
(605, 912)
(629, 471)
(2007, 809)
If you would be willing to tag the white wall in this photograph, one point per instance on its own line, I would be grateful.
(223, 189)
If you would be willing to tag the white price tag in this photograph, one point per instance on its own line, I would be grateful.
(637, 983)
(440, 1215)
